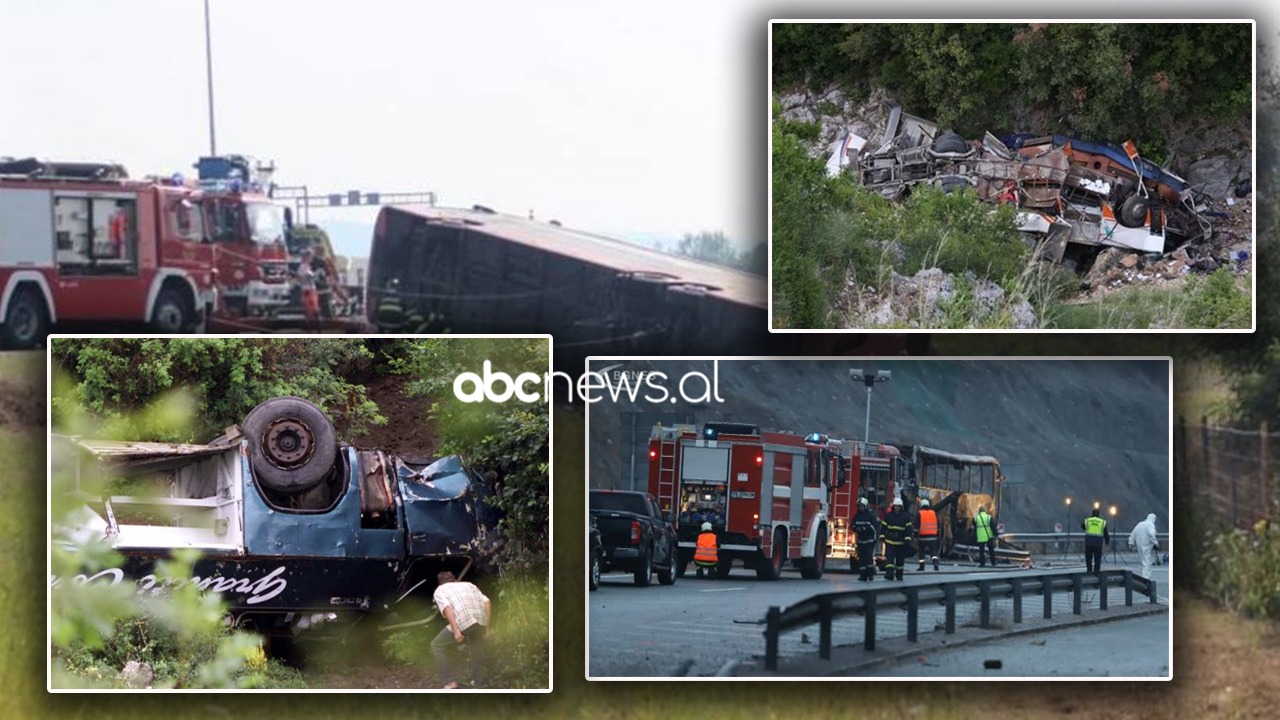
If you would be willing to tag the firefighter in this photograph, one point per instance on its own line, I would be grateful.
(864, 528)
(896, 527)
(1096, 534)
(705, 557)
(928, 532)
(985, 532)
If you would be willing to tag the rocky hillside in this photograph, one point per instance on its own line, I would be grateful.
(1089, 430)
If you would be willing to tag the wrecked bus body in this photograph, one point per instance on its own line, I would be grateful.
(479, 271)
(294, 529)
(1068, 191)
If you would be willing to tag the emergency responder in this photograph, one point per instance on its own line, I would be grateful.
(306, 276)
(896, 528)
(1144, 539)
(706, 557)
(1096, 534)
(927, 525)
(864, 528)
(985, 532)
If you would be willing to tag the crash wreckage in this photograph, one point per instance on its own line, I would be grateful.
(294, 529)
(1069, 192)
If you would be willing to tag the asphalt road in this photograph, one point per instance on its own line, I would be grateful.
(702, 627)
(1138, 647)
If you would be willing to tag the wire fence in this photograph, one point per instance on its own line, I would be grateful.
(1228, 472)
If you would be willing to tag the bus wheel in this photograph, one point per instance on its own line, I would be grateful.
(292, 444)
(26, 323)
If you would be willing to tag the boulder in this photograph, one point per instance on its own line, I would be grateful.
(137, 674)
(1215, 175)
(1024, 316)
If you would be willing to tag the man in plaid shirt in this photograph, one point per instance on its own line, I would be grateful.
(466, 612)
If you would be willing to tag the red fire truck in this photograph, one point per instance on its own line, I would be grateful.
(875, 471)
(81, 242)
(769, 495)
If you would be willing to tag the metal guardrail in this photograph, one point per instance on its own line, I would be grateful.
(824, 608)
(1069, 542)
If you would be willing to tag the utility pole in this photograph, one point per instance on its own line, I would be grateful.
(208, 64)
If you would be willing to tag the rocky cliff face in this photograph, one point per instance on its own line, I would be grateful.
(1088, 430)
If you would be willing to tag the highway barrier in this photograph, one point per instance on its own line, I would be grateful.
(824, 608)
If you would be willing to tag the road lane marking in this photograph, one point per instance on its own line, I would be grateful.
(723, 589)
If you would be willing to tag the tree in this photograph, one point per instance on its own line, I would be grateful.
(712, 247)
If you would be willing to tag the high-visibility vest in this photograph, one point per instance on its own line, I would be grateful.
(1094, 526)
(928, 523)
(983, 525)
(706, 552)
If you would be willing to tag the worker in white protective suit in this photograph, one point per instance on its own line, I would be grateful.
(1144, 539)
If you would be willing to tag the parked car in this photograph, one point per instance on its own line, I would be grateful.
(635, 536)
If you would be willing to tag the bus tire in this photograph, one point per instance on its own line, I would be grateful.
(292, 444)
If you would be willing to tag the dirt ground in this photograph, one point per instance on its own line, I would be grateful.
(22, 404)
(409, 431)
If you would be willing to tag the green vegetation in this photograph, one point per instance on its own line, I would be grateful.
(1099, 80)
(829, 230)
(210, 383)
(1212, 302)
(715, 247)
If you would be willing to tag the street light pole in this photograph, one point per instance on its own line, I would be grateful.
(208, 64)
(1115, 539)
(869, 379)
(1067, 548)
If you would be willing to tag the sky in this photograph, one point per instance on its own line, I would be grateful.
(639, 119)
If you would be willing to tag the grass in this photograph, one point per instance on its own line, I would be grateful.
(1213, 302)
(22, 364)
(1200, 390)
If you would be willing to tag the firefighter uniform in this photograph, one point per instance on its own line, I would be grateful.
(864, 528)
(1096, 535)
(706, 555)
(896, 528)
(928, 525)
(985, 531)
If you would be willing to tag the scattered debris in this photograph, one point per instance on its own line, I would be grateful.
(992, 664)
(1072, 195)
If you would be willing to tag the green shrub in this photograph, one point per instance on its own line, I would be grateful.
(1216, 302)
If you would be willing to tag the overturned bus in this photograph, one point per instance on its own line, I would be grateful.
(479, 271)
(1069, 192)
(294, 529)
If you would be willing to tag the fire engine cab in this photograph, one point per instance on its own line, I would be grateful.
(767, 495)
(876, 472)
